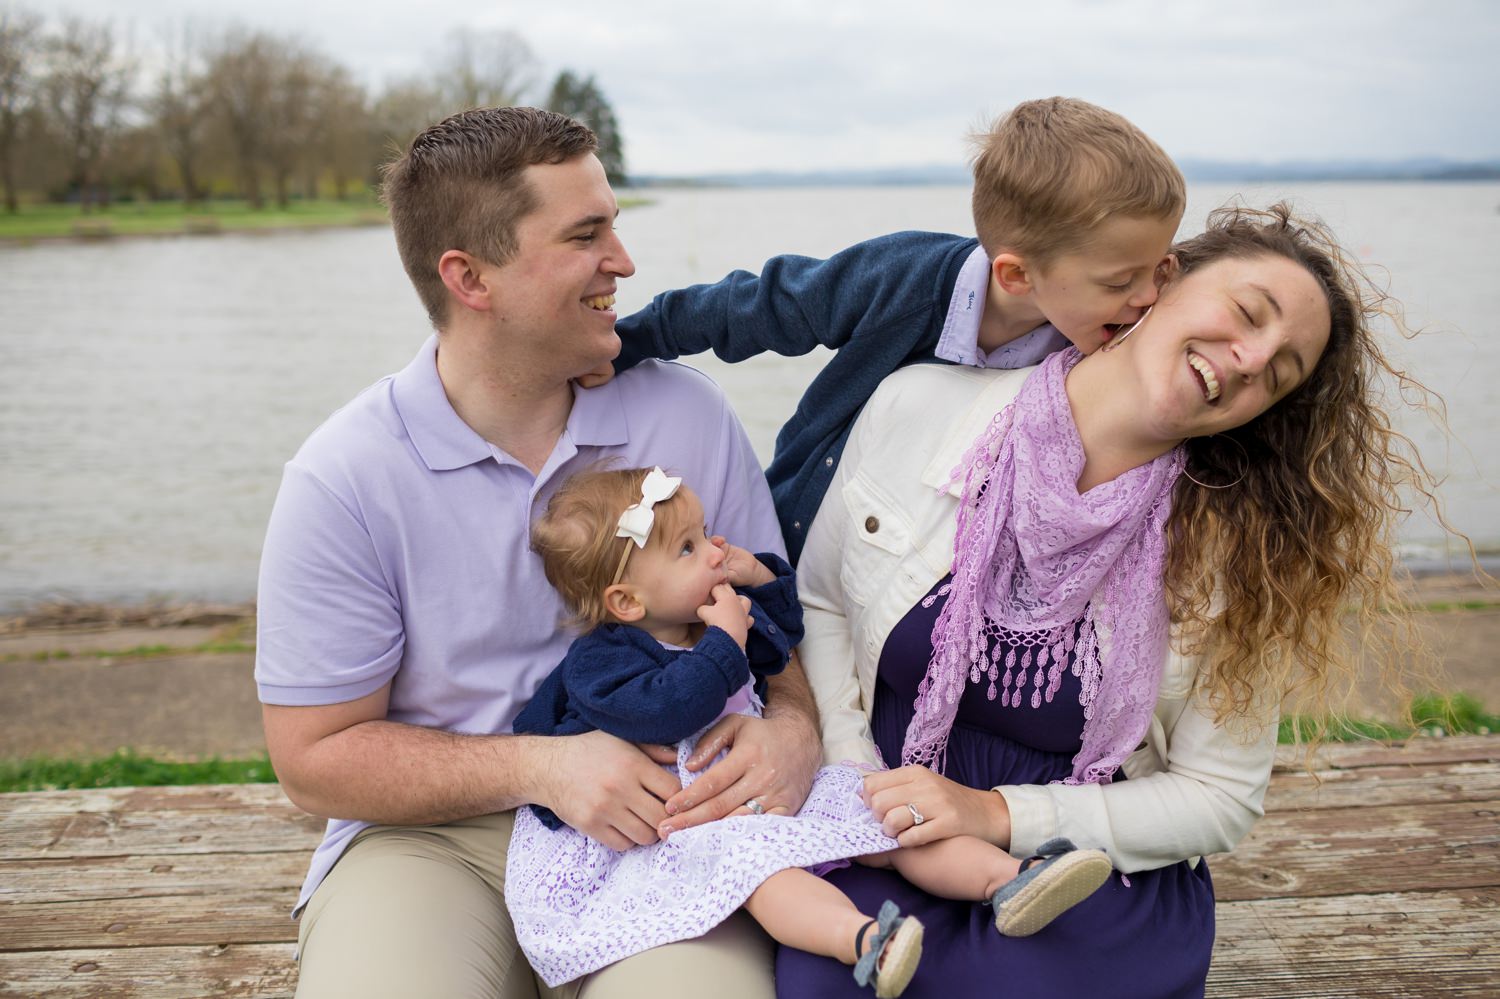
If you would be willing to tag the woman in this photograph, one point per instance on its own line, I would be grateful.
(1084, 611)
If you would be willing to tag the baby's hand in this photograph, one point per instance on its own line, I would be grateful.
(743, 568)
(729, 611)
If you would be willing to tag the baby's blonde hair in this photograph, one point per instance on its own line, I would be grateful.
(576, 537)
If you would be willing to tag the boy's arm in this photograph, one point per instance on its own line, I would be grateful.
(796, 303)
(622, 686)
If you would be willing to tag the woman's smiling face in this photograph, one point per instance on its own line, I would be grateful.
(1228, 341)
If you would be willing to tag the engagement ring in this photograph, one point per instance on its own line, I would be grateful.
(756, 808)
(917, 818)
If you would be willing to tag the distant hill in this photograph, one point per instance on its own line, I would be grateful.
(1205, 171)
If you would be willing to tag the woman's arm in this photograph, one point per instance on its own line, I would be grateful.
(1196, 789)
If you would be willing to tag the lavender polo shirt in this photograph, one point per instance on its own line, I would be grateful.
(397, 549)
(959, 341)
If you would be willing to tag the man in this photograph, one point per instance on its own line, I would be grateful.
(404, 621)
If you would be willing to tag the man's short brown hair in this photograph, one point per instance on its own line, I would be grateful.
(460, 187)
(1048, 172)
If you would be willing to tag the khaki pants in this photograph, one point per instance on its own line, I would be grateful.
(420, 912)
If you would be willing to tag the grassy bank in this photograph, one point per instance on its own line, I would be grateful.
(166, 218)
(175, 218)
(1434, 716)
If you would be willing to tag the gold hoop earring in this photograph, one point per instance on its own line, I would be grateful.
(1116, 341)
(1244, 467)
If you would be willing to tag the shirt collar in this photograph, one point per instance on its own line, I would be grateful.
(959, 341)
(446, 442)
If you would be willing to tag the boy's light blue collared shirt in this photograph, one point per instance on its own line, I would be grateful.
(959, 341)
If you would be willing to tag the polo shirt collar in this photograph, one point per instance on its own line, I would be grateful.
(445, 441)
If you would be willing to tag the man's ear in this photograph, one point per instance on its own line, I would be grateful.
(464, 277)
(1167, 271)
(1011, 273)
(623, 604)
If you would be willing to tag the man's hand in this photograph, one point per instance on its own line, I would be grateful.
(771, 759)
(947, 808)
(597, 377)
(605, 788)
(743, 568)
(729, 611)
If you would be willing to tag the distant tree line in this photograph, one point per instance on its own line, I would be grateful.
(86, 115)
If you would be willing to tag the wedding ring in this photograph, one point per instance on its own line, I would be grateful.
(917, 818)
(756, 808)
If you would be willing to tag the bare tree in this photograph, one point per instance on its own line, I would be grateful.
(241, 77)
(88, 87)
(343, 143)
(20, 38)
(482, 69)
(181, 107)
(403, 109)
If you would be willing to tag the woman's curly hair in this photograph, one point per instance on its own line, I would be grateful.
(1285, 576)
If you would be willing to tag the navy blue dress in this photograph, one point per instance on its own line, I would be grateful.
(1152, 938)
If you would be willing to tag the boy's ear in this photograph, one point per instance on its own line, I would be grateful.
(1167, 270)
(1011, 273)
(623, 604)
(463, 275)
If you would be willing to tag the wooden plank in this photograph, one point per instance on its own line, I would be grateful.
(255, 971)
(1399, 785)
(1375, 946)
(1389, 848)
(244, 916)
(185, 798)
(1346, 755)
(80, 878)
(26, 835)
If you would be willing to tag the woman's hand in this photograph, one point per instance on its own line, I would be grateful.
(947, 808)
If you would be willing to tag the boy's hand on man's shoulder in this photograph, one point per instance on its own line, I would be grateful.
(599, 376)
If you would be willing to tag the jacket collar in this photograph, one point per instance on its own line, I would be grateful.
(1001, 389)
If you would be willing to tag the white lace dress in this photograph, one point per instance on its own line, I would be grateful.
(579, 906)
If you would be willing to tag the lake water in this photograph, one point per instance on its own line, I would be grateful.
(150, 390)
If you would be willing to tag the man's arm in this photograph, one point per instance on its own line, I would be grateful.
(347, 760)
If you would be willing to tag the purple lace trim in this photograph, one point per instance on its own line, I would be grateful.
(1033, 564)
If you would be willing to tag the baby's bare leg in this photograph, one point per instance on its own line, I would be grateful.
(801, 910)
(963, 867)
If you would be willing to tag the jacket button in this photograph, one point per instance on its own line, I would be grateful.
(827, 462)
(771, 629)
(872, 524)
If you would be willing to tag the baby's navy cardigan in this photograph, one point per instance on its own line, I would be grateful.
(620, 680)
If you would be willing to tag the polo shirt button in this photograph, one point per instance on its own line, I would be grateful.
(796, 525)
(872, 524)
(828, 462)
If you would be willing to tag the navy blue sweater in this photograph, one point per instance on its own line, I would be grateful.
(620, 680)
(886, 298)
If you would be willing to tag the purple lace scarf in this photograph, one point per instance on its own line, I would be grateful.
(1039, 569)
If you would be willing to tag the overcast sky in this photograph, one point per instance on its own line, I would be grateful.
(706, 86)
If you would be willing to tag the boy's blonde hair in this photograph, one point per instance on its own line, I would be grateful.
(576, 537)
(1048, 172)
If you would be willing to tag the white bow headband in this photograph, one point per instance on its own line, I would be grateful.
(636, 522)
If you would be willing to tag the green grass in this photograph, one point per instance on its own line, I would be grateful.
(1431, 715)
(141, 218)
(162, 218)
(126, 769)
(136, 652)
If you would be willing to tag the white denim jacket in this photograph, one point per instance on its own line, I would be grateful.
(884, 537)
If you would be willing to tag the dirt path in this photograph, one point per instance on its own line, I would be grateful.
(134, 680)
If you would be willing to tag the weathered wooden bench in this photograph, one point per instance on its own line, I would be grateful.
(1382, 880)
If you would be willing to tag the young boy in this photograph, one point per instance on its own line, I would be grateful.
(1074, 209)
